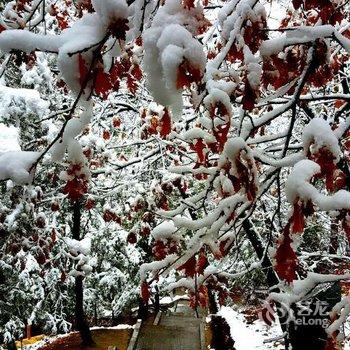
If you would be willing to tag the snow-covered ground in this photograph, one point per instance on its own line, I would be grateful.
(255, 336)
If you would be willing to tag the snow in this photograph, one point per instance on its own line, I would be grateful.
(254, 70)
(79, 251)
(119, 326)
(343, 310)
(232, 15)
(164, 230)
(233, 149)
(345, 42)
(156, 265)
(318, 134)
(300, 35)
(74, 127)
(250, 336)
(16, 165)
(18, 39)
(78, 247)
(167, 43)
(87, 32)
(198, 133)
(28, 100)
(110, 10)
(8, 139)
(216, 95)
(298, 186)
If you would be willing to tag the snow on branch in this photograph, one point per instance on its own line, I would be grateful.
(298, 186)
(173, 57)
(83, 37)
(16, 166)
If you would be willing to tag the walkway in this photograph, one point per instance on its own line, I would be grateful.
(177, 328)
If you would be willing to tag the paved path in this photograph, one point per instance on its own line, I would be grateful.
(176, 329)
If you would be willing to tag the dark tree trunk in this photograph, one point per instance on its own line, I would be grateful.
(213, 308)
(308, 331)
(269, 272)
(11, 345)
(81, 323)
(143, 309)
(221, 335)
(156, 301)
(95, 314)
(308, 334)
(334, 241)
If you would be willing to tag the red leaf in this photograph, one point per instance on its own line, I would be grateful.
(199, 298)
(220, 133)
(62, 21)
(339, 103)
(53, 10)
(249, 97)
(116, 122)
(297, 219)
(131, 84)
(189, 266)
(53, 235)
(267, 314)
(89, 204)
(138, 41)
(63, 277)
(145, 293)
(203, 296)
(188, 4)
(106, 135)
(75, 188)
(182, 79)
(325, 159)
(286, 259)
(159, 250)
(202, 263)
(108, 216)
(132, 239)
(115, 74)
(165, 124)
(83, 71)
(297, 3)
(103, 84)
(186, 75)
(136, 72)
(55, 206)
(119, 27)
(222, 247)
(199, 147)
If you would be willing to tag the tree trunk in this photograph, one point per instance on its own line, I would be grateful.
(95, 314)
(81, 323)
(308, 330)
(213, 308)
(11, 345)
(221, 335)
(334, 241)
(269, 272)
(143, 309)
(156, 301)
(310, 333)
